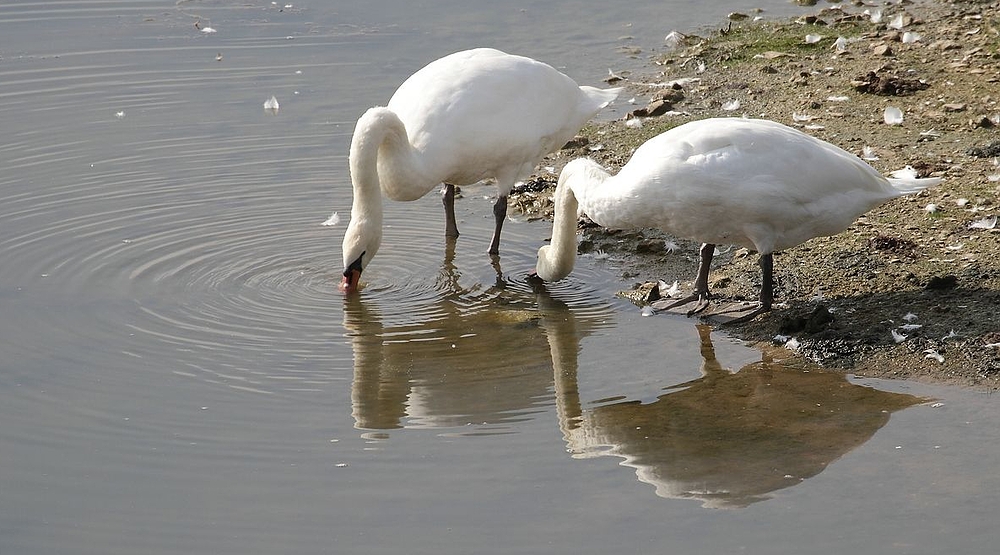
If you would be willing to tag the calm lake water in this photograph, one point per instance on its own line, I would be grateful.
(179, 374)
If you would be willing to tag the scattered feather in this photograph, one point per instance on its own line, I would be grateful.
(897, 22)
(792, 344)
(838, 98)
(840, 45)
(875, 15)
(985, 223)
(613, 77)
(207, 30)
(673, 292)
(120, 114)
(951, 335)
(674, 39)
(601, 255)
(633, 123)
(931, 353)
(893, 116)
(933, 133)
(907, 172)
(781, 338)
(334, 219)
(732, 105)
(271, 105)
(932, 208)
(670, 246)
(909, 317)
(898, 337)
(956, 247)
(813, 39)
(596, 148)
(868, 153)
(992, 345)
(911, 37)
(815, 127)
(218, 57)
(648, 311)
(802, 117)
(910, 327)
(962, 202)
(993, 177)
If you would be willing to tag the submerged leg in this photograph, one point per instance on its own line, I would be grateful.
(701, 293)
(448, 199)
(766, 291)
(499, 214)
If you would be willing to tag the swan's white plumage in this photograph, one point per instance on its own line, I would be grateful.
(754, 183)
(473, 115)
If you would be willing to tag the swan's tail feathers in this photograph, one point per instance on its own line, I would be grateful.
(601, 97)
(906, 181)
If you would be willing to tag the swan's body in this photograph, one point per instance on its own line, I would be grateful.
(473, 115)
(754, 183)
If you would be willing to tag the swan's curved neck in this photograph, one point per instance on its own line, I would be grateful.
(375, 127)
(563, 246)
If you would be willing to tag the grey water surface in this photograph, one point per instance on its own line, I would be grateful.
(179, 374)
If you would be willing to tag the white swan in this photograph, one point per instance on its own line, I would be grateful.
(469, 116)
(754, 183)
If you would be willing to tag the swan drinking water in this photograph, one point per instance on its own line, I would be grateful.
(470, 116)
(754, 183)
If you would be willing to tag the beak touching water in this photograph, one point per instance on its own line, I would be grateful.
(352, 276)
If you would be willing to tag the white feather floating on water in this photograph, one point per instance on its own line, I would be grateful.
(648, 311)
(271, 105)
(985, 223)
(893, 116)
(334, 219)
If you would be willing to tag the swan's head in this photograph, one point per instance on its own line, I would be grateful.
(551, 267)
(361, 242)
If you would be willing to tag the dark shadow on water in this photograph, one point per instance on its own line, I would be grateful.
(730, 439)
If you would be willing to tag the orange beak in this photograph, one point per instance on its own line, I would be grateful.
(351, 280)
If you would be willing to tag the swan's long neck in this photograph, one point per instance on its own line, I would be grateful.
(577, 181)
(379, 134)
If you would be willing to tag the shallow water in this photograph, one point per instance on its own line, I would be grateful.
(179, 374)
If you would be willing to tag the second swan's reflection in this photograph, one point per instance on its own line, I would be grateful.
(491, 356)
(729, 439)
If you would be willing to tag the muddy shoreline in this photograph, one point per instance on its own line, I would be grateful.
(912, 289)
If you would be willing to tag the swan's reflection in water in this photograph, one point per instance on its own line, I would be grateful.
(490, 356)
(474, 355)
(729, 439)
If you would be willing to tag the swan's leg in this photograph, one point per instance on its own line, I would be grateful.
(450, 227)
(701, 293)
(766, 291)
(499, 214)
